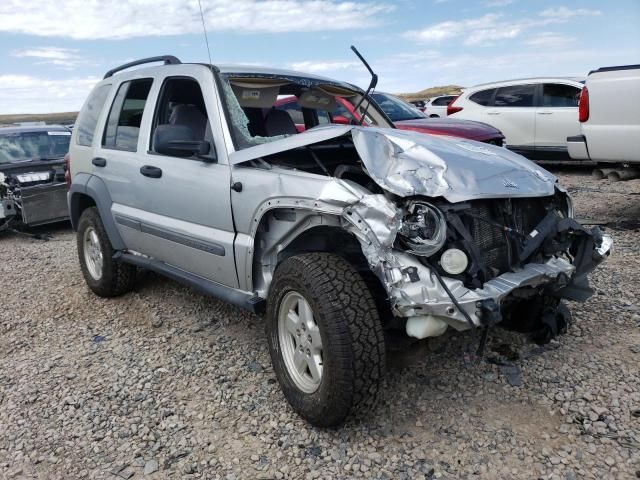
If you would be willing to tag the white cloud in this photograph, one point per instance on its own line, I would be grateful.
(476, 31)
(29, 94)
(114, 19)
(491, 27)
(61, 57)
(498, 3)
(563, 13)
(549, 39)
(323, 67)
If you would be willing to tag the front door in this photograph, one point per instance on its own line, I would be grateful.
(183, 215)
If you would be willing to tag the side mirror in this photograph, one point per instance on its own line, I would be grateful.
(179, 141)
(340, 119)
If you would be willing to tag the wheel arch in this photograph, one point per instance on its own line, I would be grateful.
(88, 191)
(285, 232)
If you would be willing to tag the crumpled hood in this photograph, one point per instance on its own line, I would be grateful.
(451, 126)
(409, 163)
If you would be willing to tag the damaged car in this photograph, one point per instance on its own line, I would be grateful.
(339, 236)
(32, 175)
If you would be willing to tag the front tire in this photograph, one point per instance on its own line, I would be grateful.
(325, 338)
(105, 276)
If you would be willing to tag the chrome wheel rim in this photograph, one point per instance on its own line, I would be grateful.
(93, 258)
(300, 342)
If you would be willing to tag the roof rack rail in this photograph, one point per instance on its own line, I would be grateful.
(167, 59)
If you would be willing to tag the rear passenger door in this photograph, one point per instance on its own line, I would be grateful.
(116, 160)
(513, 113)
(556, 116)
(182, 216)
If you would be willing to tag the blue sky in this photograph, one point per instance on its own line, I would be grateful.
(53, 52)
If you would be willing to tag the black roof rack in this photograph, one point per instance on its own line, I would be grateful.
(167, 59)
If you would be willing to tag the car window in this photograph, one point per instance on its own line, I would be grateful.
(88, 118)
(483, 97)
(442, 101)
(559, 95)
(515, 96)
(294, 110)
(323, 117)
(182, 103)
(341, 111)
(37, 145)
(395, 108)
(123, 124)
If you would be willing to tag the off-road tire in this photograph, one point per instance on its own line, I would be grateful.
(351, 332)
(117, 277)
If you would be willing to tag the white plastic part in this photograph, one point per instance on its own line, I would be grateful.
(454, 261)
(425, 326)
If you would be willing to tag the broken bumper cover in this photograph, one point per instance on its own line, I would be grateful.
(428, 300)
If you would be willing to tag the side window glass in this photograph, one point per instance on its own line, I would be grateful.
(483, 97)
(123, 124)
(515, 96)
(442, 101)
(182, 103)
(323, 117)
(88, 118)
(558, 95)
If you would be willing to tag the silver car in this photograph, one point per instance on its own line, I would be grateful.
(342, 235)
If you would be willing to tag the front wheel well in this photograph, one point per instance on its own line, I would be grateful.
(333, 239)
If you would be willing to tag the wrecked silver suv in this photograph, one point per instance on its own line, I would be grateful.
(339, 235)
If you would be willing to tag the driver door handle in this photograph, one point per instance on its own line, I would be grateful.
(151, 171)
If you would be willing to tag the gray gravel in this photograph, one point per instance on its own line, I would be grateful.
(165, 382)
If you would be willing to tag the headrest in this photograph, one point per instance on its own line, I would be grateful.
(317, 100)
(256, 97)
(278, 122)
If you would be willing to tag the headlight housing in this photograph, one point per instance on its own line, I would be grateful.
(424, 229)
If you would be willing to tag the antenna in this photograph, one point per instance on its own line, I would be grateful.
(206, 39)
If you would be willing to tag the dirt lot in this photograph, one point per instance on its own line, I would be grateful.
(165, 382)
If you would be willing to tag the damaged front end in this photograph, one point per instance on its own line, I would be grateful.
(32, 196)
(473, 261)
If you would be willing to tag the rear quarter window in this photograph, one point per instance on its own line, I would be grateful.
(88, 118)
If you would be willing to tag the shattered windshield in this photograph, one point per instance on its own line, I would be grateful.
(256, 112)
(397, 109)
(40, 145)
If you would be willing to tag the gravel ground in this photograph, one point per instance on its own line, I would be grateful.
(165, 382)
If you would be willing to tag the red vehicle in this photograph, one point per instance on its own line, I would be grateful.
(403, 115)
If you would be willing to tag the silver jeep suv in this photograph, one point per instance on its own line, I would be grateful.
(342, 235)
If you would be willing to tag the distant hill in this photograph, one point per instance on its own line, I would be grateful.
(432, 92)
(63, 118)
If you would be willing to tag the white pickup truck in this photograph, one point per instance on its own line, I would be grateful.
(609, 114)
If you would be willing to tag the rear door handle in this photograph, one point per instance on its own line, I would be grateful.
(493, 112)
(151, 171)
(99, 162)
(545, 113)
